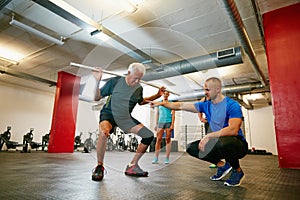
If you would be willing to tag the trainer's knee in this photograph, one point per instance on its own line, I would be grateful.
(146, 134)
(192, 148)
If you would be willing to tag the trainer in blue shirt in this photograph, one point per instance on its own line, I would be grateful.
(226, 140)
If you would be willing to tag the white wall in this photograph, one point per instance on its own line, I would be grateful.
(87, 120)
(22, 109)
(260, 130)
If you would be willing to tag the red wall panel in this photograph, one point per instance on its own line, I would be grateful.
(282, 35)
(64, 114)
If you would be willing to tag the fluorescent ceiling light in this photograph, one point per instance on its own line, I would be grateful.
(9, 55)
(35, 31)
(102, 36)
(9, 60)
(62, 4)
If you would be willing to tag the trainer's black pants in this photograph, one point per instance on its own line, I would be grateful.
(230, 148)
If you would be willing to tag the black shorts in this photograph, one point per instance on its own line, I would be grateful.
(125, 124)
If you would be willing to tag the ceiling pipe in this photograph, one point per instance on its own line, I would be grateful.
(259, 22)
(3, 3)
(71, 14)
(248, 106)
(22, 75)
(182, 67)
(231, 89)
(238, 24)
(217, 59)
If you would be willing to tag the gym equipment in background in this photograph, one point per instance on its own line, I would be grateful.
(88, 144)
(5, 139)
(45, 141)
(132, 143)
(28, 143)
(77, 141)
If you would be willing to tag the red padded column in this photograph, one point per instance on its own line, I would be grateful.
(64, 114)
(282, 34)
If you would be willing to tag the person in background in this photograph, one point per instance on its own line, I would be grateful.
(226, 140)
(165, 124)
(123, 94)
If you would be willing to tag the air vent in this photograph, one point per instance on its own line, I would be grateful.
(225, 53)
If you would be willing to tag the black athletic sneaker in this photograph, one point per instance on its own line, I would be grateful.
(135, 170)
(98, 173)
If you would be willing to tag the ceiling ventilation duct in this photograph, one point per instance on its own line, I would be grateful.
(217, 59)
(241, 31)
(231, 89)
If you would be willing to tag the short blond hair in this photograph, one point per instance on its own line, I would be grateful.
(216, 81)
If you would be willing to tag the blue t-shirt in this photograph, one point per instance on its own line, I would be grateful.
(219, 114)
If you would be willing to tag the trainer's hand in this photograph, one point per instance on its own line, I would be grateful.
(155, 103)
(202, 143)
(204, 120)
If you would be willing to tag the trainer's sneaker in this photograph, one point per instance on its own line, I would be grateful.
(167, 160)
(235, 178)
(155, 160)
(135, 170)
(98, 173)
(221, 172)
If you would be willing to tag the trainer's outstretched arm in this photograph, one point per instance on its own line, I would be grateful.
(187, 106)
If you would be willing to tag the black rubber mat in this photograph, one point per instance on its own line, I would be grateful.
(40, 175)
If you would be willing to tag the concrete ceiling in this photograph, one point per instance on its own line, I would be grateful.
(159, 32)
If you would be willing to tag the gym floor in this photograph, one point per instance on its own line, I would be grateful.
(40, 175)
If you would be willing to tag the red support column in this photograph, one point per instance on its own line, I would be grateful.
(64, 114)
(282, 34)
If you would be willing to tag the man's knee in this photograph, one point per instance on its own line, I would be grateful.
(146, 135)
(192, 148)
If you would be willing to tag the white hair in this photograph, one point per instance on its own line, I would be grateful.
(137, 67)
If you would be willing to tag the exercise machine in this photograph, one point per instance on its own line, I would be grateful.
(45, 141)
(110, 144)
(132, 143)
(5, 139)
(120, 143)
(88, 144)
(28, 144)
(77, 141)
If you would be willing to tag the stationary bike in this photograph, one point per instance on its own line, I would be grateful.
(77, 141)
(110, 144)
(132, 143)
(45, 141)
(5, 138)
(88, 144)
(120, 143)
(27, 141)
